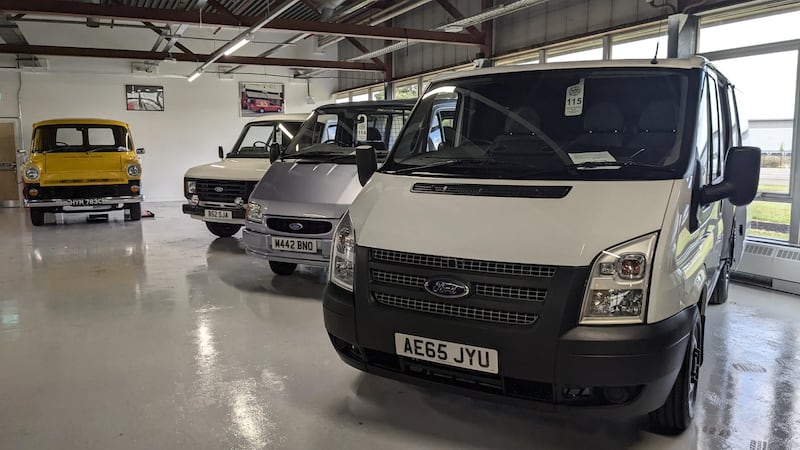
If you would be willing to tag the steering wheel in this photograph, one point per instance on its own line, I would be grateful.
(331, 141)
(255, 144)
(61, 144)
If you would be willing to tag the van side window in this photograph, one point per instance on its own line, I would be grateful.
(736, 134)
(701, 142)
(717, 137)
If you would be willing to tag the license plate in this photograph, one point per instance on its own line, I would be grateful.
(294, 245)
(449, 353)
(217, 214)
(85, 202)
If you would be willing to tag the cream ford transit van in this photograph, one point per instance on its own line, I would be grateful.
(560, 243)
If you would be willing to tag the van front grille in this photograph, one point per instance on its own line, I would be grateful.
(223, 191)
(448, 309)
(444, 262)
(481, 289)
(299, 226)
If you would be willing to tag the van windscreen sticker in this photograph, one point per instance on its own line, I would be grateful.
(573, 105)
(580, 158)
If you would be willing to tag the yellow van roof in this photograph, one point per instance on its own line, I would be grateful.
(80, 122)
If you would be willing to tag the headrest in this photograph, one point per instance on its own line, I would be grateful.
(603, 117)
(373, 134)
(659, 116)
(529, 117)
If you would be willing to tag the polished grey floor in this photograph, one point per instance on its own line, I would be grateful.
(154, 335)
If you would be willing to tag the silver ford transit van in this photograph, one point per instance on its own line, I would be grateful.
(560, 243)
(308, 187)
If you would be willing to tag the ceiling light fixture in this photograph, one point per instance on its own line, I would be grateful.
(241, 43)
(195, 75)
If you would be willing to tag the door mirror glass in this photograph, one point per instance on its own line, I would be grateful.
(366, 162)
(221, 152)
(274, 152)
(740, 184)
(140, 151)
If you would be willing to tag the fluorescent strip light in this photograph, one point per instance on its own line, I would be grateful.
(195, 75)
(285, 131)
(236, 46)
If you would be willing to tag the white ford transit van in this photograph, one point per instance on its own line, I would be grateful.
(217, 193)
(559, 241)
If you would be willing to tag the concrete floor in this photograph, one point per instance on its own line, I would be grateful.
(155, 335)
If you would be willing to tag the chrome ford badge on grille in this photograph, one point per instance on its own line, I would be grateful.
(447, 288)
(218, 189)
(296, 226)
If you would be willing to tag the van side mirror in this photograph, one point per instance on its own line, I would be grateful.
(221, 152)
(740, 184)
(21, 151)
(366, 162)
(140, 151)
(274, 152)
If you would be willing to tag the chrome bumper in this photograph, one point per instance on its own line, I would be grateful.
(105, 201)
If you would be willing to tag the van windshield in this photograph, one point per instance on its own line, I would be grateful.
(81, 138)
(334, 131)
(588, 123)
(256, 138)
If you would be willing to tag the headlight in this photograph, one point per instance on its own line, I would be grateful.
(191, 187)
(343, 254)
(134, 170)
(617, 289)
(32, 173)
(255, 212)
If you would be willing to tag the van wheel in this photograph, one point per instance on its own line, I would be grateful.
(675, 415)
(223, 229)
(720, 294)
(37, 217)
(282, 268)
(135, 212)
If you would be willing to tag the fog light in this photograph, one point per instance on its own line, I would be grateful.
(135, 188)
(195, 200)
(616, 395)
(239, 202)
(33, 192)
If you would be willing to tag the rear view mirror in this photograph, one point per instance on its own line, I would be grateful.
(221, 152)
(740, 185)
(274, 152)
(366, 162)
(140, 151)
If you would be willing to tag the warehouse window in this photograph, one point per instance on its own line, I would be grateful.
(641, 48)
(743, 33)
(407, 90)
(585, 51)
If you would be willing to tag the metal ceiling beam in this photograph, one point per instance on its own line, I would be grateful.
(157, 56)
(382, 17)
(74, 8)
(160, 31)
(363, 48)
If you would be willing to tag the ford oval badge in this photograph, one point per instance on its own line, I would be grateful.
(296, 226)
(218, 189)
(447, 288)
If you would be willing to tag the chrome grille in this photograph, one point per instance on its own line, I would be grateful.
(471, 265)
(463, 312)
(482, 289)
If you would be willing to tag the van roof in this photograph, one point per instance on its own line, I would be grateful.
(83, 121)
(282, 118)
(372, 104)
(696, 62)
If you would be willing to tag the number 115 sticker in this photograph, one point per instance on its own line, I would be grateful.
(573, 105)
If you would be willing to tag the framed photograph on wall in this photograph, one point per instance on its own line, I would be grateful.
(258, 99)
(144, 98)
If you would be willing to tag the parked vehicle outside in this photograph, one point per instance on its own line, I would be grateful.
(217, 193)
(560, 245)
(294, 208)
(82, 165)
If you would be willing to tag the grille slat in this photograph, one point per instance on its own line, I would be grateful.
(308, 226)
(482, 289)
(448, 309)
(206, 190)
(470, 265)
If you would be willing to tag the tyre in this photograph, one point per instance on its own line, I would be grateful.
(676, 414)
(37, 217)
(720, 294)
(223, 229)
(282, 268)
(135, 212)
(261, 110)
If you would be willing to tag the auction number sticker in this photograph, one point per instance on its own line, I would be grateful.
(573, 105)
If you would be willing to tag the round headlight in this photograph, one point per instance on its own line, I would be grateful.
(134, 170)
(32, 173)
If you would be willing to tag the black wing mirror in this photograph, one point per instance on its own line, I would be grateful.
(221, 152)
(274, 152)
(740, 184)
(366, 162)
(140, 151)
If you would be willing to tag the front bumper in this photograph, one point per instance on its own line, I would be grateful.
(60, 203)
(199, 212)
(259, 244)
(641, 360)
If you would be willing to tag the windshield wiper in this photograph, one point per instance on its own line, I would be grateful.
(311, 153)
(449, 162)
(119, 149)
(594, 164)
